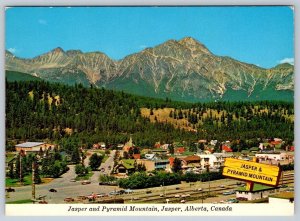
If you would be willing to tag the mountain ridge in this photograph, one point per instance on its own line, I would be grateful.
(182, 70)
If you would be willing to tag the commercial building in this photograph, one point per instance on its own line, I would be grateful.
(259, 192)
(33, 147)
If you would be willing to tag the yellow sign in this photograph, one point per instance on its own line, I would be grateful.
(251, 171)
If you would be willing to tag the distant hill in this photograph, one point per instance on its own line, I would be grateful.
(182, 70)
(18, 76)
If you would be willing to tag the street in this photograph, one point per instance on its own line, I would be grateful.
(65, 187)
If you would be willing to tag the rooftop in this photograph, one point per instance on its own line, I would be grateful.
(29, 144)
(256, 187)
(128, 163)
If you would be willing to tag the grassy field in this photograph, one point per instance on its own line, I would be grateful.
(20, 201)
(85, 177)
(15, 182)
(163, 115)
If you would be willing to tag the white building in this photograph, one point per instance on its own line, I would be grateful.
(272, 156)
(282, 198)
(210, 160)
(257, 193)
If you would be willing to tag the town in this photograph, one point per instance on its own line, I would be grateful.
(39, 172)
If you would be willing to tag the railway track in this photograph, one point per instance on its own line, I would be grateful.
(192, 194)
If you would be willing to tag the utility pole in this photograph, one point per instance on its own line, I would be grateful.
(20, 160)
(33, 179)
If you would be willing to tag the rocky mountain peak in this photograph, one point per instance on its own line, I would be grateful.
(193, 44)
(58, 50)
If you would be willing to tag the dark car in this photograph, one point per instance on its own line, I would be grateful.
(10, 190)
(53, 190)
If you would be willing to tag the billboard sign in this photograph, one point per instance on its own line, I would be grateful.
(252, 171)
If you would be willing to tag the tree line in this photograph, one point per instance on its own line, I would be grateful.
(73, 116)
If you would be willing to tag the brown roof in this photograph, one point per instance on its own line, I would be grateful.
(192, 158)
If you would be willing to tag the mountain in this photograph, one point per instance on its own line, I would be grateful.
(181, 70)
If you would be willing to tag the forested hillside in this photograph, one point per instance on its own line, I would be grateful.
(41, 110)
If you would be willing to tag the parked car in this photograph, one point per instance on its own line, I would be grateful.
(283, 186)
(114, 193)
(148, 191)
(85, 182)
(128, 191)
(221, 186)
(43, 202)
(53, 190)
(9, 189)
(69, 199)
(177, 196)
(182, 201)
(101, 194)
(229, 192)
(72, 180)
(232, 201)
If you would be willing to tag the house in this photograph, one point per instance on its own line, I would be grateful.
(126, 166)
(150, 156)
(210, 161)
(157, 145)
(221, 158)
(259, 192)
(226, 148)
(271, 156)
(165, 146)
(179, 150)
(128, 145)
(102, 145)
(33, 147)
(254, 149)
(178, 147)
(213, 142)
(10, 161)
(136, 156)
(191, 162)
(159, 151)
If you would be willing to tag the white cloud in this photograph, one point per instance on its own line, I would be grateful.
(287, 60)
(12, 50)
(42, 22)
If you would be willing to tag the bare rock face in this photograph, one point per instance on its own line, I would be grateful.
(182, 70)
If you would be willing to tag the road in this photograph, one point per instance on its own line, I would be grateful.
(64, 186)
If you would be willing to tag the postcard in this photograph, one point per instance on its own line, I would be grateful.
(124, 111)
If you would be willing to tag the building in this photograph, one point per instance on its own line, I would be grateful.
(155, 164)
(226, 149)
(191, 162)
(125, 166)
(128, 145)
(210, 161)
(33, 147)
(150, 156)
(272, 156)
(282, 198)
(259, 192)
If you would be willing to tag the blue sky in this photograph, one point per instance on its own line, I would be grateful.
(262, 36)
